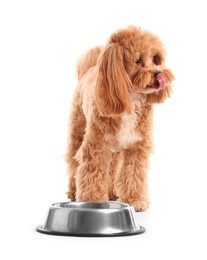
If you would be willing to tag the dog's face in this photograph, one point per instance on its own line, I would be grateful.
(132, 62)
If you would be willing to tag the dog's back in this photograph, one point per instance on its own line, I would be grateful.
(88, 60)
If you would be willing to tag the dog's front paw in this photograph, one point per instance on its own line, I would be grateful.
(71, 195)
(140, 205)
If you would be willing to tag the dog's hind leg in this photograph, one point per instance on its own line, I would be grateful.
(92, 176)
(115, 166)
(77, 124)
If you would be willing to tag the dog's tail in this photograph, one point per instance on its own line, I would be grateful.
(88, 60)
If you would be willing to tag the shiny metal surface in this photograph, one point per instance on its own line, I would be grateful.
(91, 219)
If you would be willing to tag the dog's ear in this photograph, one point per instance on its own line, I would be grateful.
(159, 97)
(113, 83)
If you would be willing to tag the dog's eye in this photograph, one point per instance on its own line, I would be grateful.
(157, 60)
(138, 61)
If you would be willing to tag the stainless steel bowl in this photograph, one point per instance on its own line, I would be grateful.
(91, 219)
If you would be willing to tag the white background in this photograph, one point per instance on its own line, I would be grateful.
(39, 44)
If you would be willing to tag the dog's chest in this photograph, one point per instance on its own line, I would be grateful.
(128, 134)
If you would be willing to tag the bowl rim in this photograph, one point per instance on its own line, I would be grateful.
(76, 204)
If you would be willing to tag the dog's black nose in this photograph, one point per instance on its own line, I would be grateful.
(156, 73)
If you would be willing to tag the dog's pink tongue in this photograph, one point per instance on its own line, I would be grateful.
(162, 80)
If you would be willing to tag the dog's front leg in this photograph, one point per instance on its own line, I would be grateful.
(92, 176)
(131, 183)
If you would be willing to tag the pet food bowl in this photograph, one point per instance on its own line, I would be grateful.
(91, 219)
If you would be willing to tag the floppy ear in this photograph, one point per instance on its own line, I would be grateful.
(113, 83)
(160, 96)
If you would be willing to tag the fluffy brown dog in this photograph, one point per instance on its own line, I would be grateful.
(111, 122)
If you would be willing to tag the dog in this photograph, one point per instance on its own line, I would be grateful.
(110, 126)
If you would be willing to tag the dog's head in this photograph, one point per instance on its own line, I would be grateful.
(132, 62)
